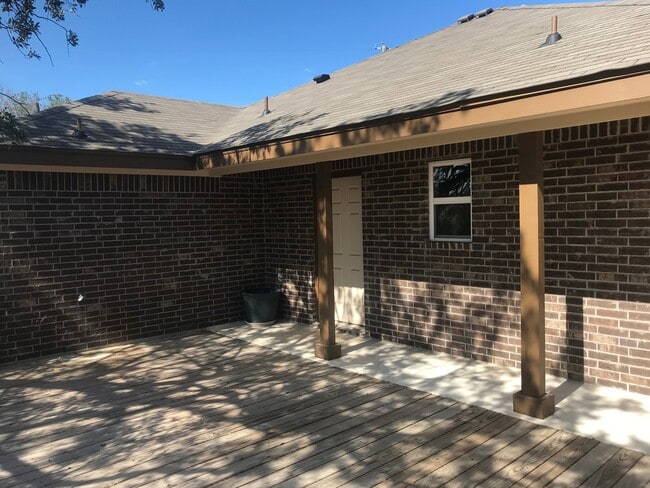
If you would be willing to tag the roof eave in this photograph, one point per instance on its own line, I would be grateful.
(586, 101)
(32, 158)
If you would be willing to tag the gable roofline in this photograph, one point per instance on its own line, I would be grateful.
(128, 122)
(67, 106)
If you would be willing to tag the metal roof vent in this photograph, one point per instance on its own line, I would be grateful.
(79, 133)
(266, 110)
(466, 18)
(484, 12)
(554, 36)
(321, 78)
(382, 47)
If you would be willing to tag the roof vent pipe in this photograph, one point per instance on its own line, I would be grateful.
(266, 110)
(554, 36)
(466, 18)
(79, 133)
(382, 47)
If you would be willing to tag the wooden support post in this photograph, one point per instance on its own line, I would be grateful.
(326, 348)
(532, 400)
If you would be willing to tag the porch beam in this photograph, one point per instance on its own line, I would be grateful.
(326, 347)
(532, 400)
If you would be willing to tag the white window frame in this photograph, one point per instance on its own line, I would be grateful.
(433, 201)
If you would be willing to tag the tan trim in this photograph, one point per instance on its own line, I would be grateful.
(532, 399)
(598, 102)
(326, 348)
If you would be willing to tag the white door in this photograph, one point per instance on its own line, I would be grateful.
(348, 250)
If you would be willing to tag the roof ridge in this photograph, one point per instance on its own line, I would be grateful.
(578, 5)
(69, 106)
(184, 100)
(51, 111)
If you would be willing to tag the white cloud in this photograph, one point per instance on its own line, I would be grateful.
(140, 82)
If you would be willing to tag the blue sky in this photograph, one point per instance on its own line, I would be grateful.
(230, 52)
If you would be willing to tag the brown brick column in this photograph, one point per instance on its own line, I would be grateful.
(326, 347)
(532, 400)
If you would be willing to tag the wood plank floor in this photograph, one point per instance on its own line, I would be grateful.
(206, 410)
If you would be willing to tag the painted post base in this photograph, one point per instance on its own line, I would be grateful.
(538, 407)
(327, 352)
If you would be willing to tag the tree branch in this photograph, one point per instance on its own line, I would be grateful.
(20, 20)
(17, 102)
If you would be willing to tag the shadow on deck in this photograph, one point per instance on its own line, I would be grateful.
(207, 409)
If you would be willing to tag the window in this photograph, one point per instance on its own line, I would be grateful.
(450, 200)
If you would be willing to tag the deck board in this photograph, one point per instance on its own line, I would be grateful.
(205, 410)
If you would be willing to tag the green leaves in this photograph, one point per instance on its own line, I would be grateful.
(21, 19)
(15, 105)
(9, 127)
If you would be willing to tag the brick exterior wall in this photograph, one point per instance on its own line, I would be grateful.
(289, 240)
(463, 299)
(458, 298)
(150, 255)
(598, 252)
(452, 297)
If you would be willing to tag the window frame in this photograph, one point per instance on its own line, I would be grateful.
(433, 201)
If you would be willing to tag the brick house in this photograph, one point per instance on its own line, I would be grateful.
(482, 191)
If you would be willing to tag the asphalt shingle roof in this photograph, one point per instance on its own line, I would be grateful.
(130, 122)
(482, 58)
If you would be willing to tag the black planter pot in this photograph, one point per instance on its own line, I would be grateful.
(261, 305)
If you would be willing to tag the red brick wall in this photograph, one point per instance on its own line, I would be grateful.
(151, 255)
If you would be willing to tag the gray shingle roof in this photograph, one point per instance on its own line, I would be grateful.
(481, 58)
(129, 122)
(485, 57)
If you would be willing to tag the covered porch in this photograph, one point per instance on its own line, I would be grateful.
(526, 119)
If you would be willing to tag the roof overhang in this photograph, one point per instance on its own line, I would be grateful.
(592, 102)
(28, 158)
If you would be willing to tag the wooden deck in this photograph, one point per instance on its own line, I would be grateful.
(207, 410)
